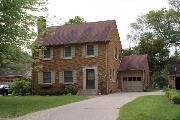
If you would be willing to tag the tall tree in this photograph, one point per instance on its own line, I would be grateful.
(75, 20)
(17, 21)
(156, 32)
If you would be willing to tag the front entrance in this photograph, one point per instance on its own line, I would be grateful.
(90, 79)
(177, 82)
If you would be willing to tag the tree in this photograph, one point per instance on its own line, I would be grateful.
(75, 20)
(16, 23)
(155, 33)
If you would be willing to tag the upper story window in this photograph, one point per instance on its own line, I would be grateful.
(46, 77)
(47, 53)
(68, 77)
(90, 50)
(67, 51)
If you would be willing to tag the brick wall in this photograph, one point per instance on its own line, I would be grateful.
(113, 64)
(77, 63)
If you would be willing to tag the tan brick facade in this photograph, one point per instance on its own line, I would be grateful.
(79, 61)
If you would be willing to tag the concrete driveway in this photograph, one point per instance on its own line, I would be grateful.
(98, 108)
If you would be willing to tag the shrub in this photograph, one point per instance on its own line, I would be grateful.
(50, 92)
(21, 87)
(69, 88)
(161, 82)
(176, 99)
(173, 95)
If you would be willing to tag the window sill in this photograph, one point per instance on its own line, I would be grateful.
(68, 83)
(113, 81)
(45, 83)
(46, 59)
(90, 56)
(67, 58)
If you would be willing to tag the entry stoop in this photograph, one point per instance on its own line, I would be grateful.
(88, 92)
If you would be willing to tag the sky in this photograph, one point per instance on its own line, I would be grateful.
(123, 11)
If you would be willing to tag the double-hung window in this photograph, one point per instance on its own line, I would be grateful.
(90, 50)
(68, 76)
(47, 77)
(67, 52)
(47, 53)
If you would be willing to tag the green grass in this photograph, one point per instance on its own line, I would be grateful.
(13, 106)
(150, 108)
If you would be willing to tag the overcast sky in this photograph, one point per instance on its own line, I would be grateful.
(123, 11)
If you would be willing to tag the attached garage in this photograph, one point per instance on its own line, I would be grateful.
(133, 73)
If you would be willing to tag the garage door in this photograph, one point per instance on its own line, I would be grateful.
(132, 84)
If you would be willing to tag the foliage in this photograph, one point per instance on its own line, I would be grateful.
(70, 89)
(67, 89)
(149, 108)
(21, 87)
(155, 34)
(173, 96)
(159, 79)
(176, 99)
(13, 106)
(75, 20)
(17, 21)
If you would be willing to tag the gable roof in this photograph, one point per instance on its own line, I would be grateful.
(133, 62)
(78, 33)
(171, 69)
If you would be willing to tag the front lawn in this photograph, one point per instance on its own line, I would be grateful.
(12, 106)
(150, 108)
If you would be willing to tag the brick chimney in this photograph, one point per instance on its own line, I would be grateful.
(41, 24)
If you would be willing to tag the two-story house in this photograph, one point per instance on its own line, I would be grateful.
(84, 54)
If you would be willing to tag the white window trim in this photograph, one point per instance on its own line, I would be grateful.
(64, 57)
(89, 56)
(72, 78)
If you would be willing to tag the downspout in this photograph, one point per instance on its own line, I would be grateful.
(107, 76)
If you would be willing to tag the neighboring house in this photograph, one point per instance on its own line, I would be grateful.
(134, 73)
(84, 54)
(174, 76)
(6, 78)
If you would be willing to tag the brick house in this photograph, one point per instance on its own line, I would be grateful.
(133, 73)
(83, 54)
(174, 75)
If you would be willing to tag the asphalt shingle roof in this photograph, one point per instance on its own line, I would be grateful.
(78, 33)
(133, 62)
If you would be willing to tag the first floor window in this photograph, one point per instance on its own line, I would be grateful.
(46, 77)
(47, 53)
(68, 76)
